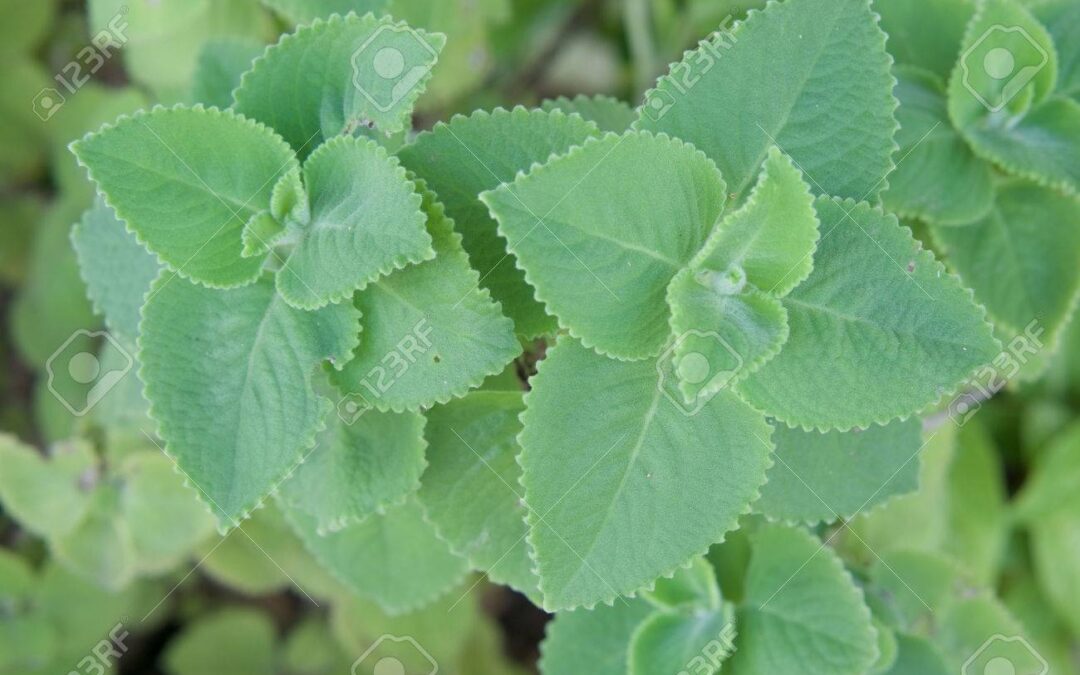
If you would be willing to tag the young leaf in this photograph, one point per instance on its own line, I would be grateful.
(117, 270)
(186, 197)
(471, 488)
(360, 465)
(221, 64)
(356, 84)
(228, 375)
(676, 641)
(832, 476)
(939, 180)
(100, 548)
(811, 77)
(1021, 258)
(46, 496)
(430, 332)
(608, 113)
(878, 360)
(598, 637)
(644, 470)
(365, 222)
(393, 558)
(584, 229)
(802, 612)
(690, 587)
(469, 155)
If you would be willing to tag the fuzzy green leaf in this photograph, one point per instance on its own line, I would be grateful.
(360, 465)
(644, 472)
(878, 325)
(832, 476)
(810, 76)
(221, 64)
(469, 155)
(912, 44)
(228, 375)
(802, 612)
(584, 229)
(690, 587)
(46, 496)
(599, 637)
(365, 222)
(681, 641)
(186, 198)
(350, 85)
(609, 114)
(470, 490)
(430, 332)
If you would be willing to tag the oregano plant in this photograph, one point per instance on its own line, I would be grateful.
(694, 374)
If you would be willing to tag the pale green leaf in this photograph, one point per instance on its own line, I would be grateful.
(360, 465)
(825, 477)
(938, 179)
(305, 11)
(47, 496)
(469, 155)
(681, 641)
(642, 473)
(802, 612)
(1054, 480)
(366, 221)
(977, 519)
(188, 199)
(117, 269)
(811, 77)
(1021, 258)
(470, 490)
(99, 548)
(350, 85)
(228, 375)
(1062, 20)
(430, 332)
(28, 23)
(221, 63)
(913, 43)
(878, 324)
(1055, 548)
(599, 637)
(917, 656)
(238, 641)
(394, 558)
(690, 587)
(27, 94)
(609, 114)
(584, 229)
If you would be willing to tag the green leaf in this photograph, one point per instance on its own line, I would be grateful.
(360, 465)
(1054, 480)
(602, 266)
(599, 637)
(471, 491)
(1055, 547)
(366, 221)
(690, 587)
(354, 86)
(469, 155)
(939, 179)
(802, 612)
(117, 269)
(878, 325)
(645, 471)
(233, 640)
(1006, 108)
(23, 136)
(228, 375)
(917, 656)
(774, 80)
(430, 332)
(832, 476)
(1062, 20)
(673, 642)
(29, 24)
(393, 558)
(609, 114)
(911, 43)
(100, 548)
(1020, 259)
(185, 196)
(46, 496)
(221, 63)
(305, 11)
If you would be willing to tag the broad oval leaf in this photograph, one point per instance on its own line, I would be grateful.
(601, 231)
(878, 324)
(612, 463)
(598, 637)
(185, 198)
(674, 642)
(228, 376)
(810, 76)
